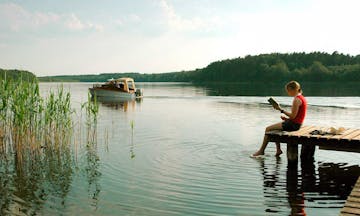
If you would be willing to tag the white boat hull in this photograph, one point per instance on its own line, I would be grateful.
(110, 94)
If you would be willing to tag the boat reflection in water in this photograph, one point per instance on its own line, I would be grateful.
(120, 103)
(301, 190)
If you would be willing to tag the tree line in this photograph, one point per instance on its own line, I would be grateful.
(313, 67)
(274, 67)
(16, 75)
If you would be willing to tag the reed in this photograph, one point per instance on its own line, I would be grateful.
(91, 108)
(28, 122)
(132, 154)
(36, 134)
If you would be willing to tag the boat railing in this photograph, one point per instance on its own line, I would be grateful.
(96, 85)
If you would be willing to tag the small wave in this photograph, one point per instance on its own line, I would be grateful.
(287, 105)
(338, 103)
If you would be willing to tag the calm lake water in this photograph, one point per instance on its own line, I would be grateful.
(182, 150)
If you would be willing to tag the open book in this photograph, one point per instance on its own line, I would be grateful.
(273, 102)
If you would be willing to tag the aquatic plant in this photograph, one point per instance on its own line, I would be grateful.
(28, 121)
(91, 108)
(36, 134)
(132, 154)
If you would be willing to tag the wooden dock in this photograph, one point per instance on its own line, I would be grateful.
(352, 205)
(349, 140)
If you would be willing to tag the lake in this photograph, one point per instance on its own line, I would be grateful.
(184, 150)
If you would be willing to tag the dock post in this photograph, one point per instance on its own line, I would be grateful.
(292, 152)
(307, 153)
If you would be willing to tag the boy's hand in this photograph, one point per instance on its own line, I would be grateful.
(283, 118)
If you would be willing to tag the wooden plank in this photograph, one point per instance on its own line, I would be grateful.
(343, 142)
(307, 133)
(352, 135)
(303, 128)
(330, 136)
(354, 199)
(356, 138)
(318, 136)
(350, 210)
(356, 188)
(302, 131)
(276, 132)
(352, 204)
(355, 194)
(345, 133)
(347, 214)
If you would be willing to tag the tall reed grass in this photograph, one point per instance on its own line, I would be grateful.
(30, 123)
(36, 134)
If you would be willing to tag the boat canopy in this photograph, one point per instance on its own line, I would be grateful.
(129, 84)
(125, 79)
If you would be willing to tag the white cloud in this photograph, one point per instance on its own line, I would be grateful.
(134, 18)
(179, 23)
(15, 18)
(127, 19)
(74, 23)
(119, 22)
(322, 25)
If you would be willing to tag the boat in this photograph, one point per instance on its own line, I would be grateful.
(113, 89)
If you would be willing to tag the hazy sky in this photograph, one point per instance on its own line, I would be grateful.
(150, 36)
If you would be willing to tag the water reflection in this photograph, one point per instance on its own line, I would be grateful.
(185, 157)
(324, 187)
(275, 89)
(28, 181)
(92, 165)
(120, 104)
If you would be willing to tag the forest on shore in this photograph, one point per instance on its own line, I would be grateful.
(274, 67)
(16, 75)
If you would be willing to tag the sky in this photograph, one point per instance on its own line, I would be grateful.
(67, 37)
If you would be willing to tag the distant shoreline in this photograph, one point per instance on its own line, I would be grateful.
(274, 67)
(266, 68)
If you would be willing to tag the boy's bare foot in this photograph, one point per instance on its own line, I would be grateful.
(258, 153)
(278, 153)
